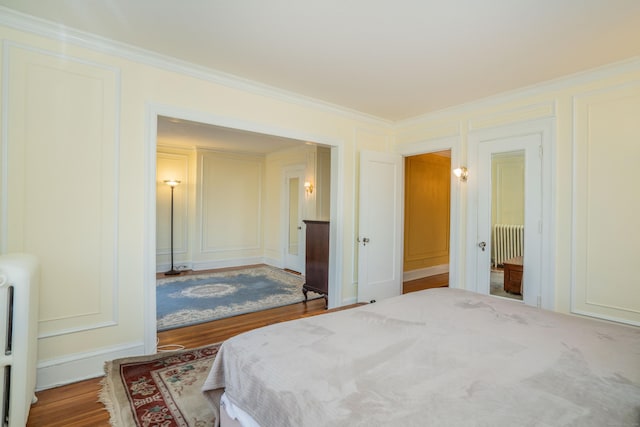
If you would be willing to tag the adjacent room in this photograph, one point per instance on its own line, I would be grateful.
(233, 208)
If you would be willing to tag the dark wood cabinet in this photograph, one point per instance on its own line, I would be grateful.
(513, 275)
(317, 258)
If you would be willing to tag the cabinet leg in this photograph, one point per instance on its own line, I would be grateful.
(304, 291)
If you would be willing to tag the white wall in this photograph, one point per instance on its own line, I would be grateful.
(228, 208)
(218, 208)
(593, 197)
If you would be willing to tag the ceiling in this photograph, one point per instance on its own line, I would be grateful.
(392, 60)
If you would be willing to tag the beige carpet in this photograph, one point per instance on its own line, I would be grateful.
(159, 390)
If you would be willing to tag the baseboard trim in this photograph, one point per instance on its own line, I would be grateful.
(425, 272)
(349, 301)
(81, 366)
(225, 263)
(161, 268)
(273, 262)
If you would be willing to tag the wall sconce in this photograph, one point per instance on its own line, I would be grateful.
(308, 187)
(462, 173)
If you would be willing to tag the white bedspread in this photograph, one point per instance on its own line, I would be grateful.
(440, 357)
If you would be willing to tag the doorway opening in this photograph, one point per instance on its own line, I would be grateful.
(445, 152)
(251, 147)
(427, 213)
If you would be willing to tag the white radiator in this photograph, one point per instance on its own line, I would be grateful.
(508, 242)
(18, 336)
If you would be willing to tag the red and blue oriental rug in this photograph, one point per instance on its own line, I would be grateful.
(159, 390)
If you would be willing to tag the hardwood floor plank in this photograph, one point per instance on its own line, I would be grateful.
(437, 281)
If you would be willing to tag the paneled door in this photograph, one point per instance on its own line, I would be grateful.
(380, 226)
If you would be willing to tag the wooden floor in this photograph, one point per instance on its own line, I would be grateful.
(437, 281)
(76, 405)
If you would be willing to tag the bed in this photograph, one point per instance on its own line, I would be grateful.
(439, 357)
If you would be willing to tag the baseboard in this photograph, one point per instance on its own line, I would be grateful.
(425, 272)
(81, 366)
(212, 265)
(236, 262)
(349, 301)
(273, 262)
(161, 268)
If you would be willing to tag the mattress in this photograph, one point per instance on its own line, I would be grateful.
(432, 358)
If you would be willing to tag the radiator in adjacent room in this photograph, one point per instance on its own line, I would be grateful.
(18, 336)
(508, 242)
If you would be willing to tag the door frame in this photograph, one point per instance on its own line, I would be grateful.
(336, 230)
(295, 171)
(457, 192)
(545, 129)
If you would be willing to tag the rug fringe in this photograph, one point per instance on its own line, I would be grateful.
(106, 390)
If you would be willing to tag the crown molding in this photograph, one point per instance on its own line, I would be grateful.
(41, 27)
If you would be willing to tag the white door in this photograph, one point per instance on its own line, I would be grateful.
(530, 147)
(380, 226)
(294, 239)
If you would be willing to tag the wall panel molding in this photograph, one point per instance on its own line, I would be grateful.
(230, 204)
(606, 239)
(81, 366)
(60, 108)
(514, 115)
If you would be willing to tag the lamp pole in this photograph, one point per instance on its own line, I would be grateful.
(173, 183)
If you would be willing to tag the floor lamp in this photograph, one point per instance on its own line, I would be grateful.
(173, 183)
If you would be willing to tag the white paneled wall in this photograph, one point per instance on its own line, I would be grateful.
(217, 208)
(228, 207)
(606, 149)
(229, 215)
(63, 145)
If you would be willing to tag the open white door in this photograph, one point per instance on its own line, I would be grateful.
(294, 240)
(380, 226)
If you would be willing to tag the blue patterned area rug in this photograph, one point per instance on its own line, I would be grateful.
(188, 300)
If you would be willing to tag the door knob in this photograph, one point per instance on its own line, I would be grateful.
(482, 245)
(364, 241)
